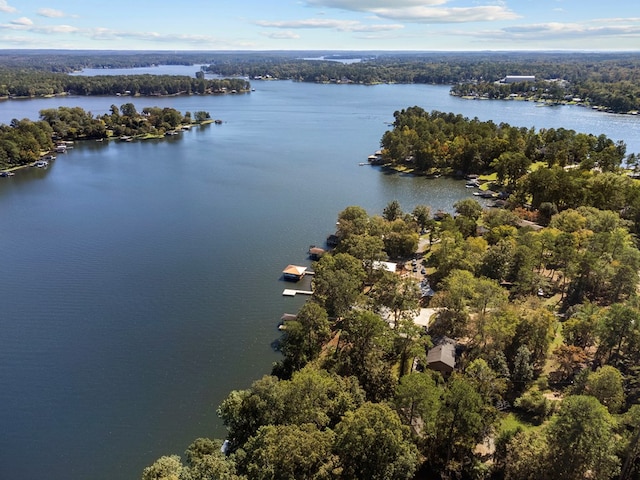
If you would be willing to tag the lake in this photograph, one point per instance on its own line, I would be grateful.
(141, 281)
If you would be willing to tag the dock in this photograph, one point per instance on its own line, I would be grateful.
(292, 293)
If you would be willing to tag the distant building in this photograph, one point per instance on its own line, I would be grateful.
(442, 357)
(519, 78)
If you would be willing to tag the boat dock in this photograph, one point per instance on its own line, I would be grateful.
(292, 293)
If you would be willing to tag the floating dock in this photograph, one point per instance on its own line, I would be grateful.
(292, 293)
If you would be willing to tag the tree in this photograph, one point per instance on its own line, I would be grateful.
(422, 216)
(352, 220)
(289, 452)
(165, 468)
(128, 110)
(582, 440)
(372, 443)
(618, 325)
(392, 211)
(510, 166)
(365, 247)
(460, 425)
(366, 340)
(205, 461)
(417, 401)
(201, 116)
(304, 337)
(522, 371)
(337, 282)
(606, 385)
(400, 296)
(581, 327)
(527, 457)
(469, 208)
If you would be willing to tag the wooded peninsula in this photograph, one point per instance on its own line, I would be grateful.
(526, 366)
(24, 142)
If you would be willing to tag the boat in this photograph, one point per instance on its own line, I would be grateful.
(6, 174)
(41, 164)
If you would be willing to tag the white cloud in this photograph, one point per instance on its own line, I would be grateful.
(50, 13)
(326, 23)
(285, 35)
(4, 7)
(422, 11)
(558, 30)
(588, 34)
(370, 5)
(24, 21)
(447, 15)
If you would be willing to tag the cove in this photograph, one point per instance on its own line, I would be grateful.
(141, 281)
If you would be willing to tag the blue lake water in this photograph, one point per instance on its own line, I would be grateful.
(141, 281)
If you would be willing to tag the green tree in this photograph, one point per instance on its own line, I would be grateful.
(289, 452)
(582, 440)
(352, 220)
(417, 401)
(397, 295)
(366, 342)
(392, 211)
(206, 461)
(422, 216)
(460, 425)
(338, 282)
(372, 443)
(606, 384)
(510, 166)
(469, 208)
(304, 337)
(165, 468)
(527, 457)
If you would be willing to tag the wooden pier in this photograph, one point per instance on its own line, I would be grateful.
(292, 293)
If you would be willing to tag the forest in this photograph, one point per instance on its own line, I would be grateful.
(24, 142)
(526, 368)
(35, 83)
(609, 81)
(605, 80)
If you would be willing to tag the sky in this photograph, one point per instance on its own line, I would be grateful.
(420, 25)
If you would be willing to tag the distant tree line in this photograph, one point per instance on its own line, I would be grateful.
(609, 80)
(35, 83)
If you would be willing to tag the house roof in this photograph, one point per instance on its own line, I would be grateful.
(294, 270)
(445, 353)
(389, 266)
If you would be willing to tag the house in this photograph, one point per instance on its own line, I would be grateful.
(316, 252)
(294, 273)
(333, 240)
(442, 357)
(519, 78)
(388, 266)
